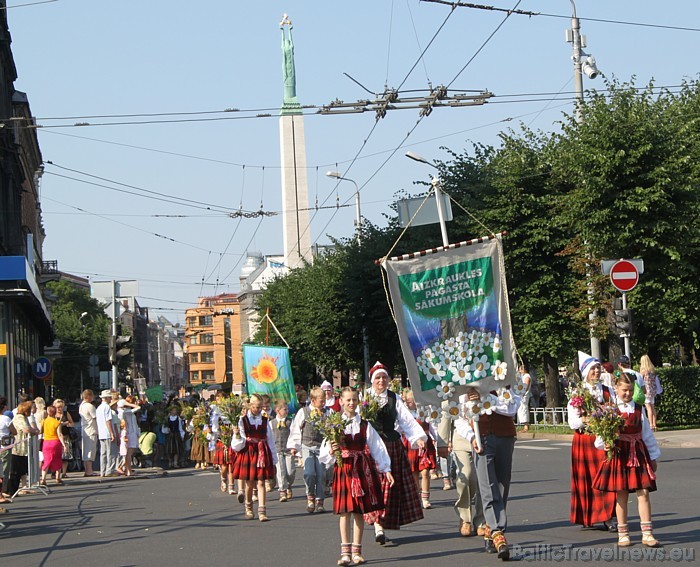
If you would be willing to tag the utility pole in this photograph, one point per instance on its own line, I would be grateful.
(583, 63)
(115, 315)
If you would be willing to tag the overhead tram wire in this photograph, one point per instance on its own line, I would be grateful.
(28, 4)
(498, 27)
(183, 199)
(561, 16)
(164, 237)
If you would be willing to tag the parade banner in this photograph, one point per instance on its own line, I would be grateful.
(453, 321)
(268, 370)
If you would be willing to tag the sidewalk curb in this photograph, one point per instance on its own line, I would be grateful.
(674, 439)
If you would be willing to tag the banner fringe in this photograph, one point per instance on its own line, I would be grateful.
(420, 253)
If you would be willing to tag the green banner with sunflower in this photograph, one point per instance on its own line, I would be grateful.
(268, 370)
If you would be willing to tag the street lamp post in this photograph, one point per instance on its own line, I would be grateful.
(438, 195)
(358, 216)
(358, 233)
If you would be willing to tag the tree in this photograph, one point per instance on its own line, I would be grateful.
(81, 327)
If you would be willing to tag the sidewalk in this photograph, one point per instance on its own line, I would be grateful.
(677, 439)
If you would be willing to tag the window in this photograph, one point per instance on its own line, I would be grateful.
(194, 376)
(191, 321)
(194, 357)
(194, 340)
(207, 356)
(207, 375)
(206, 339)
(205, 321)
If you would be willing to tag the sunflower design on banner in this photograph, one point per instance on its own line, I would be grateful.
(268, 370)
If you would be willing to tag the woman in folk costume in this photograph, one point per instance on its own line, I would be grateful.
(401, 501)
(632, 467)
(256, 456)
(421, 461)
(588, 505)
(357, 489)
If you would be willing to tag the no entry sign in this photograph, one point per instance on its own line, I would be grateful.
(624, 275)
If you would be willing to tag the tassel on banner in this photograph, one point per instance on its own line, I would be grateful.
(428, 251)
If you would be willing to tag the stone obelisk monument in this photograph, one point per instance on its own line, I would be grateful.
(295, 190)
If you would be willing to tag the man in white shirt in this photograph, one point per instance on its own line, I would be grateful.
(107, 436)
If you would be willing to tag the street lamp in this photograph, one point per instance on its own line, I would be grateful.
(358, 225)
(358, 217)
(438, 194)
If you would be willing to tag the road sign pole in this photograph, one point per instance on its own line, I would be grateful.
(115, 373)
(626, 336)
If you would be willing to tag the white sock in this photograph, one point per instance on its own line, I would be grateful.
(378, 529)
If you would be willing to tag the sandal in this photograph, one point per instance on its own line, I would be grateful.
(224, 486)
(249, 511)
(623, 536)
(357, 558)
(345, 560)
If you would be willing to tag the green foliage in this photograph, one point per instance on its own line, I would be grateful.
(679, 404)
(79, 336)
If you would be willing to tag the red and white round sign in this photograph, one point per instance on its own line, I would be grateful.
(624, 275)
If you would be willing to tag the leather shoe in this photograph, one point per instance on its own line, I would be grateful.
(465, 529)
(488, 546)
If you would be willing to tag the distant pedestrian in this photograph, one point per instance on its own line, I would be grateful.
(524, 408)
(653, 388)
(107, 435)
(88, 431)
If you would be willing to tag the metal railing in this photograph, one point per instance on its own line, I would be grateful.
(548, 417)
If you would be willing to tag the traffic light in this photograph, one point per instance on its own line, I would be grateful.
(623, 318)
(119, 347)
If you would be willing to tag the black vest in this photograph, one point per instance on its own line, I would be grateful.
(386, 419)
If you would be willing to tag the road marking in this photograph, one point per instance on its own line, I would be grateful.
(532, 440)
(533, 448)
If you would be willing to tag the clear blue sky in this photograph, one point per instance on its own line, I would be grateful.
(78, 58)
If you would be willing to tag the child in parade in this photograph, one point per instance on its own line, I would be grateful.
(175, 433)
(401, 501)
(286, 463)
(256, 455)
(422, 461)
(588, 506)
(357, 488)
(632, 467)
(304, 438)
(493, 463)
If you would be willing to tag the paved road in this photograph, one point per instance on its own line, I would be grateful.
(183, 519)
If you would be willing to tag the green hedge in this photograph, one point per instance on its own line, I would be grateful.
(680, 402)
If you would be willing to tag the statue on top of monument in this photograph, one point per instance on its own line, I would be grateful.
(290, 82)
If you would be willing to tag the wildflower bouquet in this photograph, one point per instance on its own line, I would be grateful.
(186, 411)
(582, 399)
(199, 422)
(370, 408)
(230, 409)
(395, 386)
(606, 423)
(332, 428)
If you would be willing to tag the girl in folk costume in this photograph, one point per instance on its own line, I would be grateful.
(286, 463)
(422, 461)
(256, 457)
(632, 466)
(332, 401)
(174, 429)
(357, 489)
(401, 502)
(588, 505)
(199, 426)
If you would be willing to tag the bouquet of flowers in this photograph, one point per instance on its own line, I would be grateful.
(370, 408)
(186, 411)
(395, 386)
(200, 421)
(582, 399)
(606, 423)
(332, 428)
(230, 409)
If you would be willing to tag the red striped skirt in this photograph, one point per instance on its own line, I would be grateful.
(588, 505)
(617, 475)
(401, 501)
(222, 455)
(367, 495)
(421, 459)
(247, 462)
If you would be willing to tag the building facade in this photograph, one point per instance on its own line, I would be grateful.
(213, 342)
(25, 322)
